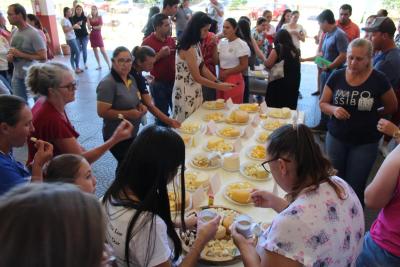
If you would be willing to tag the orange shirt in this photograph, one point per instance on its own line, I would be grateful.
(351, 29)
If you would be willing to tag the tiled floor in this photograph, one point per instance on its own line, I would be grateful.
(82, 113)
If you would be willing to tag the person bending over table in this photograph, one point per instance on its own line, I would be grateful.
(320, 221)
(56, 84)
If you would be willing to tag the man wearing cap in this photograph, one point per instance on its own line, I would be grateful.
(344, 22)
(387, 60)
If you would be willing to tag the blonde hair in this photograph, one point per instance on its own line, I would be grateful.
(42, 76)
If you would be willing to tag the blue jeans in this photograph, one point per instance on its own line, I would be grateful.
(162, 96)
(373, 255)
(74, 58)
(353, 162)
(82, 44)
(18, 88)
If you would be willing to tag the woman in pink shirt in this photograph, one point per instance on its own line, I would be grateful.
(382, 243)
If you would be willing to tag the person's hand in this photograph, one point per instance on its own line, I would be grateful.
(174, 124)
(191, 221)
(142, 109)
(15, 52)
(44, 152)
(222, 75)
(265, 199)
(239, 239)
(123, 131)
(386, 127)
(225, 86)
(10, 57)
(164, 51)
(206, 231)
(341, 114)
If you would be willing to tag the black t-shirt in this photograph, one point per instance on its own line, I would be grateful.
(82, 32)
(140, 81)
(361, 102)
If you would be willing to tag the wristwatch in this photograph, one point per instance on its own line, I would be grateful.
(396, 134)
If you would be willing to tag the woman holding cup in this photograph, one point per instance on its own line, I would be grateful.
(314, 194)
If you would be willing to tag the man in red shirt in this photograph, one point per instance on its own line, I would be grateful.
(164, 67)
(344, 22)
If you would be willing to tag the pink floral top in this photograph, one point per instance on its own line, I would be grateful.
(318, 228)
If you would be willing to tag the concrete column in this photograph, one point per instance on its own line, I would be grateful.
(44, 10)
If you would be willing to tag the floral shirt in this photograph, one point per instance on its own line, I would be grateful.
(318, 228)
(261, 40)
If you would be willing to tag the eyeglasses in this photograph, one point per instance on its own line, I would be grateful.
(122, 61)
(70, 87)
(271, 160)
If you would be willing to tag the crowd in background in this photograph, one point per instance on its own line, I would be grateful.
(358, 84)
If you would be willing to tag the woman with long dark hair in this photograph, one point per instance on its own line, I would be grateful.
(138, 218)
(190, 71)
(233, 57)
(285, 18)
(284, 92)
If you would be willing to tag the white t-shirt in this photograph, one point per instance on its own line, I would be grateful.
(295, 38)
(155, 244)
(318, 228)
(230, 52)
(71, 34)
(4, 47)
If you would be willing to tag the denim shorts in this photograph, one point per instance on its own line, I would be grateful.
(373, 255)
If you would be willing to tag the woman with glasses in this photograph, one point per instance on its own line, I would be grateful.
(118, 93)
(138, 212)
(56, 84)
(320, 221)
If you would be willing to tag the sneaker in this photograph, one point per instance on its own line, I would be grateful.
(319, 128)
(316, 93)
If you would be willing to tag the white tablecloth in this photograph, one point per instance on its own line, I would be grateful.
(258, 214)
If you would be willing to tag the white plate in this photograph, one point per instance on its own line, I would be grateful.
(205, 185)
(204, 168)
(205, 147)
(184, 131)
(216, 121)
(211, 108)
(229, 137)
(258, 137)
(233, 201)
(248, 153)
(242, 172)
(271, 120)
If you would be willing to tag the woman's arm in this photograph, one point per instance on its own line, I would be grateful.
(329, 109)
(389, 102)
(105, 111)
(380, 191)
(207, 73)
(147, 100)
(257, 50)
(272, 59)
(190, 57)
(71, 145)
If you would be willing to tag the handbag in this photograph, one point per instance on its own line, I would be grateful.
(277, 71)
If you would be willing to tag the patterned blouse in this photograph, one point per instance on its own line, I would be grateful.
(318, 228)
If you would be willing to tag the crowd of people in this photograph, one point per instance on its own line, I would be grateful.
(359, 87)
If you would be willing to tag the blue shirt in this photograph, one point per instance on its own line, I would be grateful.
(389, 63)
(334, 43)
(12, 173)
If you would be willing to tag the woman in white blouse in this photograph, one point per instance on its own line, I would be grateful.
(233, 57)
(296, 30)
